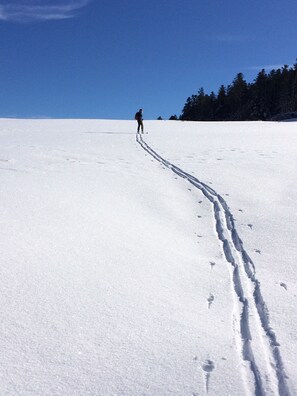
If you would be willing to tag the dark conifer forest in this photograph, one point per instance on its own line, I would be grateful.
(268, 96)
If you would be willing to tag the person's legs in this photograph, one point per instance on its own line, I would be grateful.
(140, 125)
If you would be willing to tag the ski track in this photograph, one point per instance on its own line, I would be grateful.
(255, 339)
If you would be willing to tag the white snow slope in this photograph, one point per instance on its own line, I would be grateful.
(158, 264)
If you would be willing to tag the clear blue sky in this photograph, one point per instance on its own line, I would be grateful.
(107, 58)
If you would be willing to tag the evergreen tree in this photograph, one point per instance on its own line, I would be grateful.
(268, 95)
(238, 98)
(260, 102)
(221, 113)
(294, 87)
(284, 100)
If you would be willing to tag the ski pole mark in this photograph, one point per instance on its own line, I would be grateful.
(271, 377)
(208, 366)
(210, 300)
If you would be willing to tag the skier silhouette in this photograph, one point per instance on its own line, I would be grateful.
(139, 119)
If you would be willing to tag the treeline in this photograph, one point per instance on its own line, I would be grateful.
(268, 95)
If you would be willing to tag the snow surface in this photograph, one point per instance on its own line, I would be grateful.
(157, 264)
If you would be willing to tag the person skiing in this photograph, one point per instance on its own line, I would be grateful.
(139, 119)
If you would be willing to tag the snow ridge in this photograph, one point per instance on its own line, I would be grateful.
(253, 333)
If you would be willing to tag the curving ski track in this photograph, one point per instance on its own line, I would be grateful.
(253, 333)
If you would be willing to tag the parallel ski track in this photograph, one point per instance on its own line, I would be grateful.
(253, 333)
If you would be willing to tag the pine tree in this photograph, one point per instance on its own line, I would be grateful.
(237, 98)
(260, 104)
(221, 113)
(269, 95)
(294, 87)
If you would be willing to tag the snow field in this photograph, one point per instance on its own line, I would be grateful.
(114, 277)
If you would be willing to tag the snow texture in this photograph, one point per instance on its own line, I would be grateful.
(154, 264)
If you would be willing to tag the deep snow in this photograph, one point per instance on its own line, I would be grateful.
(161, 264)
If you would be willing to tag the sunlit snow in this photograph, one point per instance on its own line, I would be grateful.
(154, 264)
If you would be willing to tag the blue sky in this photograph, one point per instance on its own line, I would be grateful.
(107, 58)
